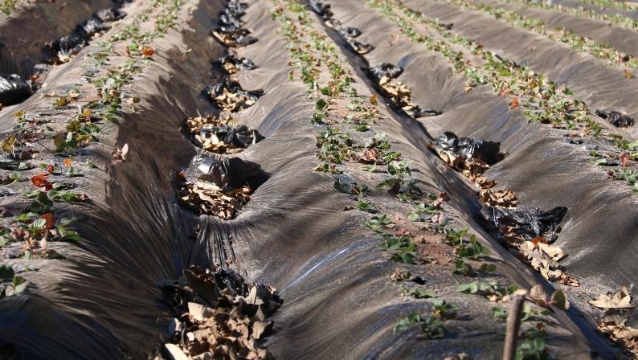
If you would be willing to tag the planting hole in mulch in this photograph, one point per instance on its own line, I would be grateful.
(218, 186)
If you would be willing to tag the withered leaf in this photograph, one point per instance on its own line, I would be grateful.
(619, 300)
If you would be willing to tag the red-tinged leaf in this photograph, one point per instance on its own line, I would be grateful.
(514, 103)
(50, 168)
(40, 181)
(539, 240)
(50, 220)
(148, 51)
(624, 158)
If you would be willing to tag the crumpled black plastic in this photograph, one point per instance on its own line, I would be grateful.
(74, 42)
(13, 89)
(376, 73)
(486, 151)
(321, 9)
(528, 223)
(349, 32)
(333, 23)
(359, 47)
(230, 31)
(232, 61)
(109, 15)
(227, 173)
(228, 18)
(417, 112)
(235, 88)
(240, 136)
(615, 118)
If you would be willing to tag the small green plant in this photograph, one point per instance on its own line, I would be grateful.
(528, 314)
(443, 310)
(7, 6)
(533, 345)
(491, 290)
(431, 327)
(417, 292)
(334, 146)
(377, 222)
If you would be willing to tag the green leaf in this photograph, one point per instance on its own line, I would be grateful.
(362, 128)
(39, 224)
(499, 313)
(321, 104)
(471, 288)
(559, 299)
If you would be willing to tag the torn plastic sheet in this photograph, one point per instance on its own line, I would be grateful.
(349, 32)
(527, 223)
(469, 148)
(69, 45)
(229, 95)
(235, 38)
(359, 47)
(231, 64)
(225, 172)
(615, 118)
(377, 73)
(217, 135)
(13, 89)
(239, 137)
(322, 9)
(230, 32)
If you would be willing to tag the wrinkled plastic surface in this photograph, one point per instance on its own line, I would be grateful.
(19, 54)
(13, 89)
(224, 172)
(294, 233)
(528, 223)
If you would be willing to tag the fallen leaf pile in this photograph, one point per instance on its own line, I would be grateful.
(208, 198)
(195, 124)
(401, 98)
(617, 308)
(503, 198)
(221, 316)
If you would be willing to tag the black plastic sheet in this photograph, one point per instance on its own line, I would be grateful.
(13, 89)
